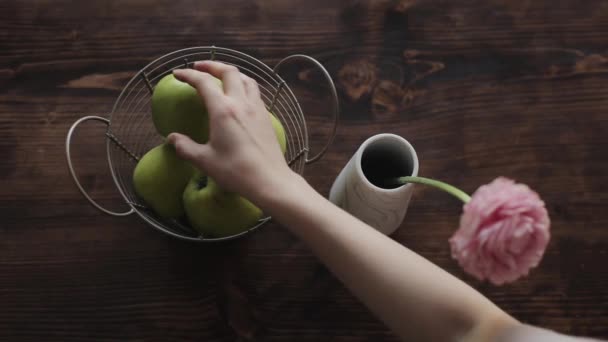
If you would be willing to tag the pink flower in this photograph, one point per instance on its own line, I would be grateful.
(503, 233)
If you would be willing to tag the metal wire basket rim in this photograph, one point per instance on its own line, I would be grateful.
(201, 238)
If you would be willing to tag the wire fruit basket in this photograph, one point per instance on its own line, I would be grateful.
(131, 133)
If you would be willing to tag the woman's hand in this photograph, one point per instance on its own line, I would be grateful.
(242, 154)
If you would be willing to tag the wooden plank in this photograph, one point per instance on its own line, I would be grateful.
(481, 89)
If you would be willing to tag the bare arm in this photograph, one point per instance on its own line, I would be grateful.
(415, 298)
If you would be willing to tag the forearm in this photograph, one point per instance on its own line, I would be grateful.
(417, 299)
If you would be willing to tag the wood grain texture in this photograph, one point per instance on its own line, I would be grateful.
(480, 88)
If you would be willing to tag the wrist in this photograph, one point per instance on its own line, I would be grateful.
(282, 190)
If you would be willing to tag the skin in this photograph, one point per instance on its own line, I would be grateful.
(416, 299)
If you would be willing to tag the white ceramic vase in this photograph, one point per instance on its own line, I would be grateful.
(353, 190)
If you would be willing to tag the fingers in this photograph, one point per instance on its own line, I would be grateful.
(230, 76)
(204, 83)
(251, 88)
(189, 150)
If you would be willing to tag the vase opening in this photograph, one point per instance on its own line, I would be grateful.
(384, 160)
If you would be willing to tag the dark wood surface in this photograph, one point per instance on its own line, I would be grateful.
(480, 88)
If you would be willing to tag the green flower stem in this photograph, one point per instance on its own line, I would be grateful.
(461, 195)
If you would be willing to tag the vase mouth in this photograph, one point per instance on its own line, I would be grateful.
(396, 155)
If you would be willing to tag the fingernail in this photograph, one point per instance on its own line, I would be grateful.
(172, 138)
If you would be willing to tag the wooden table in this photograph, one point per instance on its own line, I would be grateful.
(480, 88)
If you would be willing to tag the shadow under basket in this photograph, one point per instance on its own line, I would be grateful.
(131, 133)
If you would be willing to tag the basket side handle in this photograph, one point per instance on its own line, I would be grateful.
(334, 93)
(68, 143)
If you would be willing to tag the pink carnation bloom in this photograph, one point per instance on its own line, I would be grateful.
(503, 233)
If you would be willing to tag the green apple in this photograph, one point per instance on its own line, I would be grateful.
(215, 212)
(160, 178)
(280, 132)
(177, 107)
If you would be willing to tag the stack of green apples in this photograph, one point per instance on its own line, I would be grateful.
(174, 188)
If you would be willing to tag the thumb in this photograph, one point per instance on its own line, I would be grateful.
(189, 150)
